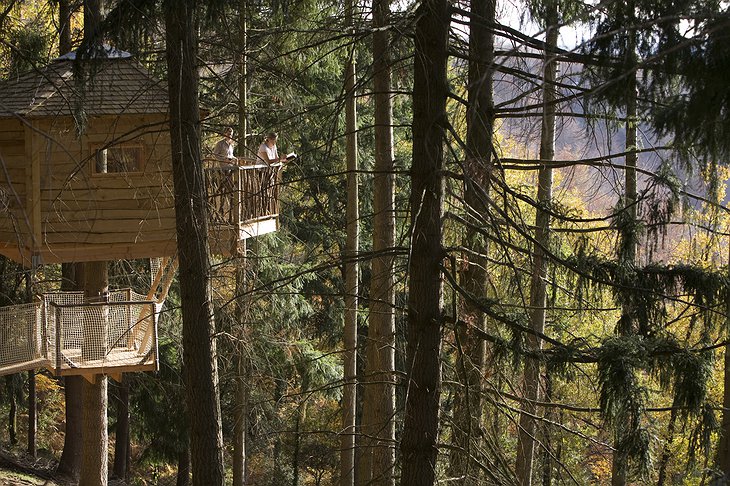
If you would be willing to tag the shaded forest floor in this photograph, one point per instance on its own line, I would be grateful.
(18, 470)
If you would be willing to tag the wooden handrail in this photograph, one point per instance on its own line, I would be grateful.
(244, 193)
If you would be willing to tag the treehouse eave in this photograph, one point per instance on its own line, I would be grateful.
(74, 252)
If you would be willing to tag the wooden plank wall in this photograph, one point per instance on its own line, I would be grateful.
(81, 209)
(14, 220)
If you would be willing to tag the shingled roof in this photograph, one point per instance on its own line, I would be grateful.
(119, 85)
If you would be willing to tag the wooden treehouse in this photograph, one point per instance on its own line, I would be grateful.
(86, 175)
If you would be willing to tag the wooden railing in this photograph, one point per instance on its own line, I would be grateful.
(242, 194)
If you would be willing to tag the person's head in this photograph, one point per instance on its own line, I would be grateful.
(271, 138)
(228, 132)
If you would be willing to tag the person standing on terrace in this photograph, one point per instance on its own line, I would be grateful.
(223, 150)
(268, 153)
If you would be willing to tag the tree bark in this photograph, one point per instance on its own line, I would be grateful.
(95, 444)
(627, 326)
(199, 349)
(32, 404)
(240, 424)
(377, 451)
(425, 292)
(183, 467)
(70, 463)
(351, 270)
(242, 77)
(93, 15)
(467, 414)
(64, 27)
(32, 414)
(122, 443)
(241, 411)
(538, 284)
(722, 458)
(10, 386)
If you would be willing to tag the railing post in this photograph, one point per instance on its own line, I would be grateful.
(237, 198)
(155, 315)
(59, 341)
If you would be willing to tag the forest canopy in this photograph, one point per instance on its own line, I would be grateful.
(500, 256)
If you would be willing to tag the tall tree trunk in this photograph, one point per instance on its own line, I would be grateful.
(550, 454)
(64, 27)
(538, 284)
(11, 386)
(722, 457)
(199, 349)
(32, 414)
(94, 448)
(300, 419)
(377, 452)
(122, 443)
(32, 405)
(467, 414)
(666, 449)
(352, 269)
(240, 425)
(425, 292)
(276, 452)
(242, 77)
(183, 467)
(93, 15)
(70, 463)
(627, 323)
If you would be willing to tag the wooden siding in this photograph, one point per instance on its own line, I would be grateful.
(75, 213)
(63, 211)
(128, 210)
(14, 223)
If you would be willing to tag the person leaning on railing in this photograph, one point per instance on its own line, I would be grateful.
(268, 153)
(223, 150)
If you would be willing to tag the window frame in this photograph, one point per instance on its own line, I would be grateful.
(98, 148)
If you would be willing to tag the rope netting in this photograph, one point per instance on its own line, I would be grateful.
(62, 332)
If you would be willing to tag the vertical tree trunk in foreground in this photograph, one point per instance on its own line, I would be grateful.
(32, 405)
(64, 28)
(418, 446)
(95, 440)
(32, 414)
(11, 388)
(121, 432)
(352, 269)
(240, 419)
(70, 463)
(467, 414)
(240, 423)
(183, 467)
(377, 451)
(627, 324)
(722, 459)
(95, 444)
(199, 350)
(538, 284)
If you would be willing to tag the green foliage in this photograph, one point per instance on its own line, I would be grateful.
(30, 51)
(158, 406)
(697, 100)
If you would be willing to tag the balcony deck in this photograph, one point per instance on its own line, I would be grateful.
(243, 202)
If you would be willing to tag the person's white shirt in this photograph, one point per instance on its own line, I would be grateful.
(269, 155)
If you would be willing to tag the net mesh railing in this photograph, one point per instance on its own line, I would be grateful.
(62, 332)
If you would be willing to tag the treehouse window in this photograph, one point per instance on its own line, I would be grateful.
(118, 159)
